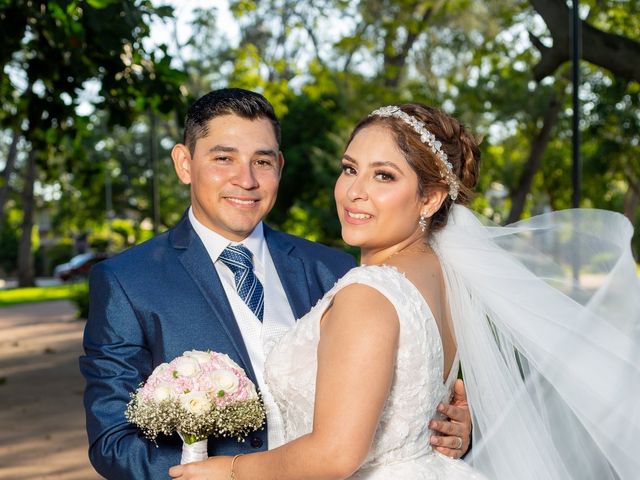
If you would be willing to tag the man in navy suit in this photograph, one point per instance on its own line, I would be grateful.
(178, 291)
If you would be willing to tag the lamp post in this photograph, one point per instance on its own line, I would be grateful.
(576, 169)
(108, 201)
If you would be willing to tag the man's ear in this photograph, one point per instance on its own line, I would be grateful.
(182, 162)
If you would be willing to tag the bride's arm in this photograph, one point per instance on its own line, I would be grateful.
(356, 358)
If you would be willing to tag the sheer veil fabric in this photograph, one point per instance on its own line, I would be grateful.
(546, 314)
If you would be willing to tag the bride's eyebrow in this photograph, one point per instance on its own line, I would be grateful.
(387, 164)
(375, 164)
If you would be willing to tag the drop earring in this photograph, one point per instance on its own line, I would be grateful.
(422, 223)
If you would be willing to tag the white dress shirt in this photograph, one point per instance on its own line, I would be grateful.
(259, 337)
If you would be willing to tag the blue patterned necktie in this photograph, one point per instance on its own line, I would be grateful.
(239, 259)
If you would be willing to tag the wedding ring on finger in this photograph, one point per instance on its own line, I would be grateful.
(459, 444)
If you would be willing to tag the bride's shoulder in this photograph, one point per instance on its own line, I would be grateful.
(360, 305)
(374, 273)
(387, 278)
(388, 282)
(381, 292)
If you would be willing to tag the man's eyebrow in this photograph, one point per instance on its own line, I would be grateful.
(222, 148)
(269, 152)
(225, 148)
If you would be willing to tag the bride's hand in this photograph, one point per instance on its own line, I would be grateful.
(455, 433)
(213, 468)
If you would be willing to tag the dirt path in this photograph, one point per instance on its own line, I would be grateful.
(42, 433)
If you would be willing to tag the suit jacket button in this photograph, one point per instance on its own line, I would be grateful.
(256, 442)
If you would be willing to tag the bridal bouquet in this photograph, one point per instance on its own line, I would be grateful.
(197, 395)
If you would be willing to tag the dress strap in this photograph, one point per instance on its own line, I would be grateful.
(453, 374)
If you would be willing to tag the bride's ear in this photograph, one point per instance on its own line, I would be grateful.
(432, 201)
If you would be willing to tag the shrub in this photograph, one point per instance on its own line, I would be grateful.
(57, 253)
(80, 296)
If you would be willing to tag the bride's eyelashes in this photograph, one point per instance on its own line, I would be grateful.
(348, 169)
(380, 175)
(384, 176)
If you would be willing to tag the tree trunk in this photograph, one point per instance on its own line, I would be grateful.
(153, 153)
(6, 173)
(26, 275)
(539, 145)
(620, 55)
(394, 64)
(632, 201)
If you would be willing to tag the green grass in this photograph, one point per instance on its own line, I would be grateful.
(15, 296)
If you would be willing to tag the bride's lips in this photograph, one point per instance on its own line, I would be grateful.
(241, 202)
(356, 217)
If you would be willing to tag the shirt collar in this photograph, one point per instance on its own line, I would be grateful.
(216, 243)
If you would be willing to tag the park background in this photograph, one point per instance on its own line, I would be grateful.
(93, 95)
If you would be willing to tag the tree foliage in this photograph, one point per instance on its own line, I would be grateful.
(53, 50)
(323, 64)
(477, 60)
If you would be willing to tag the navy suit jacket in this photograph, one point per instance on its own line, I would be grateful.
(153, 302)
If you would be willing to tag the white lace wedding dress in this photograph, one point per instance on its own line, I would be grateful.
(401, 447)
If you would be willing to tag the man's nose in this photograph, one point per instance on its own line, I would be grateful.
(245, 177)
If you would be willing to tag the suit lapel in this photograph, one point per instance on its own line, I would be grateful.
(291, 271)
(197, 263)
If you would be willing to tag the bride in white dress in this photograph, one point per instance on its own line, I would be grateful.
(359, 374)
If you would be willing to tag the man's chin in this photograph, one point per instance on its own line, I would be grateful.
(234, 231)
(243, 230)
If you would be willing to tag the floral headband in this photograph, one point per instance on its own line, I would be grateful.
(428, 138)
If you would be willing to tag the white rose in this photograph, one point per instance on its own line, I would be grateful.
(187, 367)
(224, 380)
(160, 369)
(200, 356)
(226, 360)
(250, 388)
(195, 402)
(162, 392)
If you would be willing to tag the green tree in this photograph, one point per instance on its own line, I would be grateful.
(55, 48)
(606, 42)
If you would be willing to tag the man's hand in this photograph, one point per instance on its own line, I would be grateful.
(454, 435)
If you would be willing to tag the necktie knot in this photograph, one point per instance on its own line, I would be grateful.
(237, 257)
(240, 261)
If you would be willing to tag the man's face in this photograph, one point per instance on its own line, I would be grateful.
(234, 174)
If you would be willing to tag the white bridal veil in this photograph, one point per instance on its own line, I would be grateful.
(546, 314)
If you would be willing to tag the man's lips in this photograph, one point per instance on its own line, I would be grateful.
(242, 201)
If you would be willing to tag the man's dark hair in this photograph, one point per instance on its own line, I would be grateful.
(226, 101)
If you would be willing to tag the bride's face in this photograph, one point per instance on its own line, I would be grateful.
(377, 193)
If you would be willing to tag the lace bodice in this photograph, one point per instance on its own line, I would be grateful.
(417, 387)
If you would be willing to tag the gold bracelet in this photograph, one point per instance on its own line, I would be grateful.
(233, 463)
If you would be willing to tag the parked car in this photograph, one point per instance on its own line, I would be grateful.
(79, 266)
